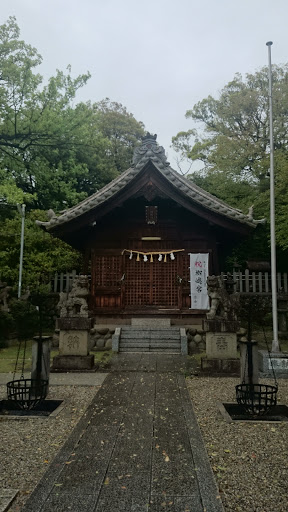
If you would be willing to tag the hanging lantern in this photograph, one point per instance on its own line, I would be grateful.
(151, 258)
(172, 256)
(165, 258)
(160, 257)
(138, 257)
(145, 258)
(131, 256)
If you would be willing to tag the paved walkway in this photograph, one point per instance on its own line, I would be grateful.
(138, 448)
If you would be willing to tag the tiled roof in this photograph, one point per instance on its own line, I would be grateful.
(150, 151)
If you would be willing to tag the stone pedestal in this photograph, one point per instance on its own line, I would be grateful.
(221, 345)
(45, 360)
(220, 366)
(221, 354)
(220, 325)
(249, 362)
(74, 342)
(76, 363)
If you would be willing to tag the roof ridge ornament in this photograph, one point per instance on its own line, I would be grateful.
(149, 150)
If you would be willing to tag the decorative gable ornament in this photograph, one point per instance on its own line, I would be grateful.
(149, 150)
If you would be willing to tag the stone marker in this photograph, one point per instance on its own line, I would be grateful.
(277, 360)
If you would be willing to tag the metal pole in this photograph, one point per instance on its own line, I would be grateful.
(21, 210)
(275, 341)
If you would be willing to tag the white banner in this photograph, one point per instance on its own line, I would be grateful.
(198, 281)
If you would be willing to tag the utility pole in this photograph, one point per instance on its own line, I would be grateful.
(21, 210)
(275, 341)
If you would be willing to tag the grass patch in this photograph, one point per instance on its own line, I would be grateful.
(259, 336)
(8, 357)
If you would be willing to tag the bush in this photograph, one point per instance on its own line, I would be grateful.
(25, 317)
(6, 326)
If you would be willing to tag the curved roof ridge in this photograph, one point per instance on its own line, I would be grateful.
(206, 199)
(87, 202)
(201, 191)
(151, 152)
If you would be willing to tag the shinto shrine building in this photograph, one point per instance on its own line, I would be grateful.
(137, 232)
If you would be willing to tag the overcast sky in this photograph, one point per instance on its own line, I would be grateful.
(158, 58)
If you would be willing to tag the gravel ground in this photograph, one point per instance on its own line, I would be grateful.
(250, 461)
(29, 445)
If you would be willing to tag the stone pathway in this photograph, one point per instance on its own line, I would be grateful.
(138, 448)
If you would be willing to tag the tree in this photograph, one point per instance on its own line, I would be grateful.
(56, 152)
(53, 153)
(233, 144)
(43, 255)
(121, 129)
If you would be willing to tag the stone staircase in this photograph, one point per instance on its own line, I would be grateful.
(169, 340)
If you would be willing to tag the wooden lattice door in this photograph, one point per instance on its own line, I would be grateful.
(151, 283)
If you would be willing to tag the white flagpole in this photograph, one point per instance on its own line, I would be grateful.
(275, 341)
(21, 210)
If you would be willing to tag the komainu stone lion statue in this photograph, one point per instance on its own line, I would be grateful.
(74, 303)
(223, 305)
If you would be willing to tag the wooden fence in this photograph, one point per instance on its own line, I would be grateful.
(258, 282)
(245, 282)
(62, 282)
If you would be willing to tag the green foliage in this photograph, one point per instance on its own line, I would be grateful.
(121, 129)
(233, 144)
(43, 255)
(51, 150)
(25, 318)
(53, 153)
(254, 312)
(6, 325)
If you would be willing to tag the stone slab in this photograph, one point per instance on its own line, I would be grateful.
(150, 322)
(216, 325)
(74, 343)
(175, 503)
(221, 345)
(116, 339)
(73, 362)
(220, 366)
(188, 480)
(277, 360)
(74, 323)
(6, 498)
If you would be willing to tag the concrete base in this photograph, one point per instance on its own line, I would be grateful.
(45, 363)
(73, 362)
(277, 360)
(150, 322)
(220, 366)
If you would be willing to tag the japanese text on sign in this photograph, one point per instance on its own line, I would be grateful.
(198, 279)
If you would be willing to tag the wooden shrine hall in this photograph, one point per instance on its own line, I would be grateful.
(137, 232)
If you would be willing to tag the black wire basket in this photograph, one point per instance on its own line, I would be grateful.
(27, 393)
(257, 399)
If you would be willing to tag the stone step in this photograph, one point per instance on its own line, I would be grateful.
(148, 322)
(156, 350)
(150, 339)
(141, 329)
(149, 345)
(152, 336)
(149, 342)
